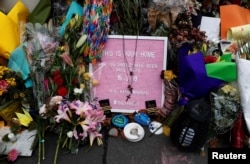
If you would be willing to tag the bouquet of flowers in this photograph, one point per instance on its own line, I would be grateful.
(62, 82)
(13, 93)
(10, 85)
(225, 105)
(40, 45)
(75, 121)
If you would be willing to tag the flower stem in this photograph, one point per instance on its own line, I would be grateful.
(57, 146)
(70, 143)
(43, 140)
(39, 149)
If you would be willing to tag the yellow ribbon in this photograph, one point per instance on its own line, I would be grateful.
(10, 28)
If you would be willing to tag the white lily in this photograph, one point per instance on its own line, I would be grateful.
(81, 41)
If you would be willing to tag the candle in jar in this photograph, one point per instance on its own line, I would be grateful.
(12, 137)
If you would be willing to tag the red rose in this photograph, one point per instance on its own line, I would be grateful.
(75, 81)
(56, 73)
(57, 78)
(62, 91)
(210, 59)
(59, 81)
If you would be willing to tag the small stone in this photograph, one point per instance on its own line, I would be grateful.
(113, 132)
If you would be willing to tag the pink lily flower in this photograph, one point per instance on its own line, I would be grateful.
(95, 115)
(93, 135)
(85, 129)
(80, 107)
(90, 124)
(66, 58)
(62, 113)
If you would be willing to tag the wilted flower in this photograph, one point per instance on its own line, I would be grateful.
(168, 75)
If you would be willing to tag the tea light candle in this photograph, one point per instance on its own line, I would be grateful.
(12, 137)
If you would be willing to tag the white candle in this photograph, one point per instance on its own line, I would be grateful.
(12, 137)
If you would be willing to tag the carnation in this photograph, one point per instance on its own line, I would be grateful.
(12, 155)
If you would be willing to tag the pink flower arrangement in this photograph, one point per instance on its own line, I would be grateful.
(76, 121)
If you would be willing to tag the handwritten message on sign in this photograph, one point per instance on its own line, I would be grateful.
(149, 57)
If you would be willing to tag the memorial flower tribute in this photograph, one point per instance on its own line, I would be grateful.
(59, 60)
(60, 53)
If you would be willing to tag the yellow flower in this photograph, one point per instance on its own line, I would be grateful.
(3, 70)
(81, 70)
(233, 92)
(87, 76)
(226, 89)
(72, 23)
(82, 86)
(169, 75)
(95, 82)
(166, 130)
(22, 94)
(11, 81)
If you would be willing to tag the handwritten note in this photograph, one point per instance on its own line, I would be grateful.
(150, 57)
(212, 28)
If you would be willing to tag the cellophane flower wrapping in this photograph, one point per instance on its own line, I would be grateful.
(244, 87)
(225, 106)
(40, 50)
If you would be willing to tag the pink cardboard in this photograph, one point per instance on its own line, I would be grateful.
(111, 72)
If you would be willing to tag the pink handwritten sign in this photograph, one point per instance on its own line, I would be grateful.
(149, 56)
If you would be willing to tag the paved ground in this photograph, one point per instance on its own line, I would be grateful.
(156, 149)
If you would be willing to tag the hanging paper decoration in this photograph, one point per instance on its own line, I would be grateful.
(96, 16)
